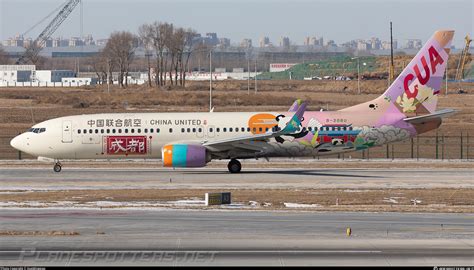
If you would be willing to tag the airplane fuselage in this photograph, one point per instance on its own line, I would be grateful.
(143, 135)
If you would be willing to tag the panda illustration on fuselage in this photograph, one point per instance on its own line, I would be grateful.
(282, 121)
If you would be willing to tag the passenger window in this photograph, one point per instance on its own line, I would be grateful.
(194, 130)
(108, 131)
(254, 129)
(139, 130)
(126, 130)
(242, 129)
(260, 129)
(200, 130)
(188, 130)
(211, 129)
(248, 129)
(182, 130)
(157, 130)
(113, 130)
(171, 130)
(230, 129)
(102, 131)
(224, 130)
(78, 131)
(266, 129)
(90, 131)
(84, 131)
(151, 130)
(132, 130)
(119, 130)
(218, 130)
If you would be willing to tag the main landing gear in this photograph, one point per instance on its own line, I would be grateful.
(57, 167)
(234, 166)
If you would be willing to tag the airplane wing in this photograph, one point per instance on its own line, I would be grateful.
(253, 142)
(430, 117)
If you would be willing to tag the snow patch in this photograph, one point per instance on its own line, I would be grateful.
(300, 205)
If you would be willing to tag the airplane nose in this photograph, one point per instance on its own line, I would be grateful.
(17, 143)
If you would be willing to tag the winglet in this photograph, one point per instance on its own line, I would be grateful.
(295, 123)
(295, 106)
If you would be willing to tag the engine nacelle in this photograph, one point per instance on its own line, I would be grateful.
(184, 155)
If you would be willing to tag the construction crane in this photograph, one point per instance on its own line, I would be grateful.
(33, 50)
(462, 59)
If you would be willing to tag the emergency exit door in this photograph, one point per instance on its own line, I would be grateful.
(67, 132)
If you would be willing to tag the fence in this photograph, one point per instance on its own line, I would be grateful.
(42, 84)
(422, 147)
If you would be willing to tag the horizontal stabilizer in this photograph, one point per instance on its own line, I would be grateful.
(430, 117)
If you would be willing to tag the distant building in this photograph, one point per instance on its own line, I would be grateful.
(48, 43)
(224, 42)
(75, 42)
(313, 41)
(331, 43)
(27, 42)
(413, 44)
(285, 42)
(362, 45)
(212, 38)
(386, 45)
(11, 74)
(246, 43)
(375, 43)
(101, 42)
(89, 40)
(264, 42)
(50, 76)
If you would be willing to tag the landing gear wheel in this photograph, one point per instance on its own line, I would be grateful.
(234, 166)
(57, 167)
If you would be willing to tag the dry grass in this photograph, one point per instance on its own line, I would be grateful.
(347, 198)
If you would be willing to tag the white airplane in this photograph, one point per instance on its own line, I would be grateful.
(407, 108)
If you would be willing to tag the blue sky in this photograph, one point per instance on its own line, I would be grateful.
(340, 20)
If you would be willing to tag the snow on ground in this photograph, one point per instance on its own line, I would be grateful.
(102, 204)
(300, 205)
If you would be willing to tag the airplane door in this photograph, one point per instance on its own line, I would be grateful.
(67, 132)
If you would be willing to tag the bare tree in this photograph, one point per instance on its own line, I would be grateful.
(178, 43)
(100, 66)
(146, 34)
(190, 45)
(3, 57)
(170, 49)
(120, 49)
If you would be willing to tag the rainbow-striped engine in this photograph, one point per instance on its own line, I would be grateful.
(184, 155)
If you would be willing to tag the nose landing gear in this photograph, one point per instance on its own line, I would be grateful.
(57, 167)
(234, 166)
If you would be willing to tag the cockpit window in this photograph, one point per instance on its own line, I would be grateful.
(37, 130)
